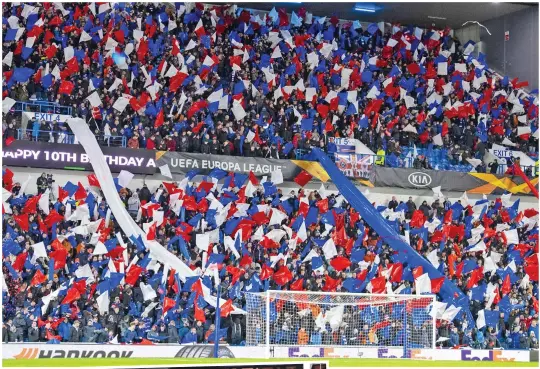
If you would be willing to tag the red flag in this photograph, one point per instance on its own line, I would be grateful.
(66, 87)
(59, 257)
(459, 269)
(199, 30)
(330, 284)
(71, 295)
(151, 235)
(413, 68)
(176, 81)
(283, 276)
(56, 21)
(417, 220)
(340, 263)
(507, 286)
(297, 285)
(226, 309)
(396, 273)
(197, 288)
(50, 336)
(266, 272)
(448, 217)
(18, 264)
(195, 107)
(378, 285)
(444, 129)
(80, 286)
(168, 304)
(80, 194)
(48, 37)
(322, 109)
(254, 181)
(303, 178)
(93, 181)
(53, 218)
(436, 284)
(159, 119)
(475, 277)
(246, 261)
(199, 313)
(30, 205)
(50, 52)
(9, 140)
(22, 221)
(322, 205)
(38, 278)
(142, 50)
(417, 272)
(132, 275)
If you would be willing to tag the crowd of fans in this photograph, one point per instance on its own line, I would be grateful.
(54, 294)
(185, 69)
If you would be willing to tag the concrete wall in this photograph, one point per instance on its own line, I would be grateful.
(517, 57)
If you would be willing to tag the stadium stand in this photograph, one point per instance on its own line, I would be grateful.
(159, 77)
(48, 253)
(207, 80)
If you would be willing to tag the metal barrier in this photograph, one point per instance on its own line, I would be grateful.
(39, 106)
(66, 138)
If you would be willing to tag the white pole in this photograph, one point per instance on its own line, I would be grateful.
(267, 324)
(434, 345)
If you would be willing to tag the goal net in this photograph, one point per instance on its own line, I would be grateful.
(296, 318)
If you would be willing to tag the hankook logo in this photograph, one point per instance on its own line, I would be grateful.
(36, 353)
(419, 179)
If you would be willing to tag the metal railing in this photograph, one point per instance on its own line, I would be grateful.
(67, 138)
(39, 106)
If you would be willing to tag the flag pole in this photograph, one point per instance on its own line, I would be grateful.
(216, 331)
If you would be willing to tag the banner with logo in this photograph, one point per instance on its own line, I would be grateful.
(479, 183)
(29, 351)
(182, 163)
(65, 156)
(397, 353)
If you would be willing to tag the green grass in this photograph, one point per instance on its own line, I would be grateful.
(353, 363)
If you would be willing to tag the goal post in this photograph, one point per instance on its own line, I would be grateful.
(335, 319)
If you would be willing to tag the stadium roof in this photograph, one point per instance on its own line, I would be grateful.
(455, 14)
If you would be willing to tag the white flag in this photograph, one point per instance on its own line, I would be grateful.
(165, 171)
(147, 291)
(276, 177)
(120, 104)
(329, 249)
(94, 99)
(103, 302)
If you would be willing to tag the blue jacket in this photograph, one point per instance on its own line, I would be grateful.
(190, 338)
(454, 339)
(64, 330)
(130, 336)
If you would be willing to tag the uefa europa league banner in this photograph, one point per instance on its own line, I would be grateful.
(182, 163)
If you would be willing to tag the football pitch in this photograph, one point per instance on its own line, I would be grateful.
(334, 363)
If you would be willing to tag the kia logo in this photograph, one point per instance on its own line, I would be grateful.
(419, 179)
